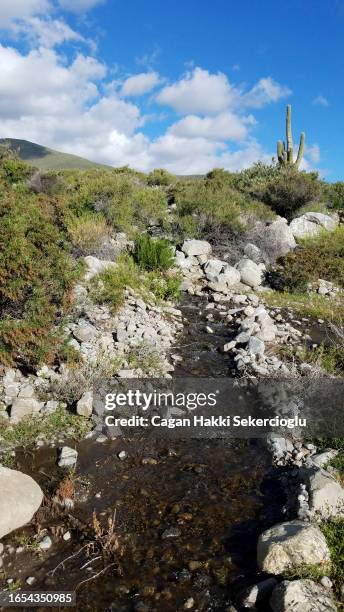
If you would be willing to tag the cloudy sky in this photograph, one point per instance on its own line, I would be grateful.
(184, 85)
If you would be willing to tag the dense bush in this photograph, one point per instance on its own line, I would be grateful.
(161, 177)
(15, 170)
(209, 206)
(88, 232)
(290, 189)
(152, 253)
(122, 198)
(36, 274)
(335, 195)
(319, 257)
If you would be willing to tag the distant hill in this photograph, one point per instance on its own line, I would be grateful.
(48, 159)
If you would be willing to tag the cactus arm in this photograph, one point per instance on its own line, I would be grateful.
(280, 151)
(301, 150)
(289, 136)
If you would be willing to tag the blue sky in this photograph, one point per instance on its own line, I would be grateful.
(185, 85)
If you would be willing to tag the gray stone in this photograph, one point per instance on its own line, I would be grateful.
(95, 266)
(67, 457)
(171, 532)
(301, 596)
(277, 239)
(250, 273)
(311, 224)
(84, 332)
(321, 459)
(253, 252)
(256, 346)
(212, 269)
(84, 406)
(20, 499)
(196, 247)
(45, 543)
(23, 407)
(256, 593)
(326, 496)
(289, 545)
(230, 275)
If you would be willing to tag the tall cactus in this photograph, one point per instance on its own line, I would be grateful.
(285, 153)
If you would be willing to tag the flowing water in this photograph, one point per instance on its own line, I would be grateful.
(186, 515)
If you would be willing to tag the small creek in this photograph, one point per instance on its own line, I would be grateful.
(214, 495)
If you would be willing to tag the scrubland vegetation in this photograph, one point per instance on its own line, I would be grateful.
(49, 221)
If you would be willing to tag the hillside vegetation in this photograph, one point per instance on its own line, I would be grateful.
(51, 220)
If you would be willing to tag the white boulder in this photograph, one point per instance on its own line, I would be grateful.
(301, 596)
(277, 239)
(95, 266)
(196, 247)
(84, 406)
(289, 545)
(311, 224)
(20, 498)
(250, 273)
(326, 496)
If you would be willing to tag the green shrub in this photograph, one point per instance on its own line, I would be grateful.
(36, 275)
(161, 177)
(122, 198)
(88, 232)
(216, 206)
(333, 531)
(108, 286)
(15, 170)
(335, 194)
(152, 253)
(290, 190)
(164, 287)
(319, 257)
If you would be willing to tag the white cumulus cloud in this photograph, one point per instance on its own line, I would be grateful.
(264, 92)
(21, 9)
(139, 84)
(224, 126)
(198, 92)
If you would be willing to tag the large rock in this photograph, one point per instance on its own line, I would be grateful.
(301, 596)
(24, 407)
(19, 500)
(326, 496)
(84, 406)
(212, 269)
(250, 273)
(289, 545)
(95, 266)
(277, 239)
(311, 223)
(84, 331)
(196, 247)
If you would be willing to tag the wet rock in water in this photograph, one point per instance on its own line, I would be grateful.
(20, 498)
(301, 596)
(289, 545)
(45, 543)
(171, 532)
(67, 457)
(84, 406)
(326, 496)
(251, 274)
(196, 247)
(257, 593)
(312, 223)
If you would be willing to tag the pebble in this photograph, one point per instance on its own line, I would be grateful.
(67, 536)
(326, 582)
(189, 603)
(122, 455)
(171, 532)
(45, 543)
(30, 580)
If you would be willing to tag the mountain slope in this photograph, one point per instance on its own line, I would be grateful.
(48, 159)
